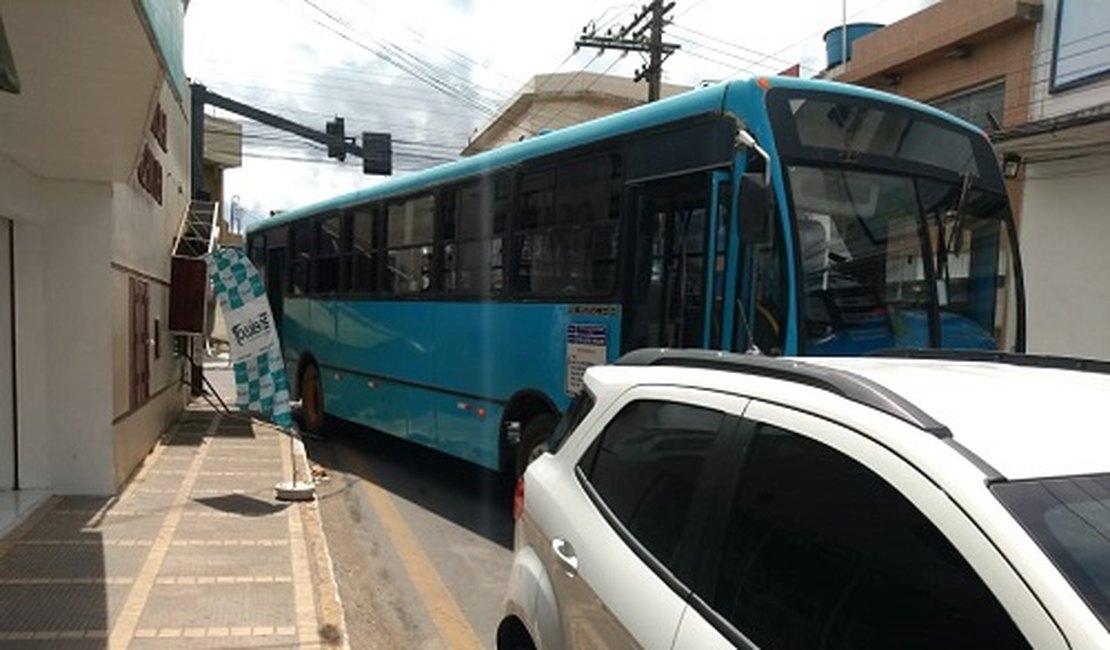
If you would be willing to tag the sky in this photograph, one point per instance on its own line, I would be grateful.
(433, 72)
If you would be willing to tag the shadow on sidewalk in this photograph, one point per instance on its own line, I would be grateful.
(58, 580)
(241, 504)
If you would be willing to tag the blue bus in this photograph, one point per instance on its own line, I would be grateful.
(459, 306)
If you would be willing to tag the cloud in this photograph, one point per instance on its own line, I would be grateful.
(430, 72)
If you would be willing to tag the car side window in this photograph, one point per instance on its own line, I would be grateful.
(645, 466)
(821, 552)
(577, 411)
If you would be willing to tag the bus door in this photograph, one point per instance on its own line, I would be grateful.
(275, 284)
(673, 223)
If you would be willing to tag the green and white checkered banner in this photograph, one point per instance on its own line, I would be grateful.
(260, 382)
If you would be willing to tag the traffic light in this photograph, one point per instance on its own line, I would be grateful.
(377, 153)
(337, 143)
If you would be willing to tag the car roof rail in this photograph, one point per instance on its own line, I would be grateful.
(841, 382)
(1022, 359)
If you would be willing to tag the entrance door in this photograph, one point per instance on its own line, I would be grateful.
(674, 224)
(7, 361)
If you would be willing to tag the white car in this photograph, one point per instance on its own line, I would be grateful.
(703, 500)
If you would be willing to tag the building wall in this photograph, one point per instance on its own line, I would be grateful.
(1065, 236)
(34, 402)
(1066, 230)
(142, 238)
(61, 281)
(951, 47)
(78, 314)
(83, 226)
(1044, 102)
(1004, 58)
(7, 361)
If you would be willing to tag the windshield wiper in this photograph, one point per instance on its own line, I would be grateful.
(955, 242)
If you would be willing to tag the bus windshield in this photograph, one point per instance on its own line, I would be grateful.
(897, 261)
(903, 229)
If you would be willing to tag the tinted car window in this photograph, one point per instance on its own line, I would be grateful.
(1070, 518)
(645, 466)
(820, 552)
(579, 407)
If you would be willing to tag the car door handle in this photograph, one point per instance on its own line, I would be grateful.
(564, 552)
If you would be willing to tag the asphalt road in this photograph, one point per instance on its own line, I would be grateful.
(421, 543)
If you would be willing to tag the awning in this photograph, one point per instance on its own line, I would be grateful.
(1077, 134)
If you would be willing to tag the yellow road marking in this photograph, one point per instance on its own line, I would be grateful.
(449, 621)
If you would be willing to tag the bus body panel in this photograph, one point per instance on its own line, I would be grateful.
(442, 375)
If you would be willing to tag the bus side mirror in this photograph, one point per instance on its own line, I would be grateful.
(755, 210)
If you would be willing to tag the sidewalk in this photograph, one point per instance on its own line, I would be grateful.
(195, 552)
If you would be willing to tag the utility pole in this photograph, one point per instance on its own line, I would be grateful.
(643, 34)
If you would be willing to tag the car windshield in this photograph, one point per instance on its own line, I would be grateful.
(1070, 519)
(901, 261)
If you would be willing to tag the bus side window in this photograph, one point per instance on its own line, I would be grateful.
(472, 238)
(257, 247)
(326, 261)
(566, 231)
(409, 239)
(299, 267)
(363, 253)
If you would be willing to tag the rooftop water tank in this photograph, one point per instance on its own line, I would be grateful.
(834, 42)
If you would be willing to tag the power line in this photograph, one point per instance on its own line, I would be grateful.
(398, 58)
(747, 58)
(417, 61)
(459, 56)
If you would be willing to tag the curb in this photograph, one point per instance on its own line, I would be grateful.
(329, 606)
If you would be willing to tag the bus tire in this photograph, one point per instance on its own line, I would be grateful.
(312, 400)
(536, 432)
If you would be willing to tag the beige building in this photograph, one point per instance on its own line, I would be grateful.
(553, 101)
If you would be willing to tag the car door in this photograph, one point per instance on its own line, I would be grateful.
(831, 540)
(622, 538)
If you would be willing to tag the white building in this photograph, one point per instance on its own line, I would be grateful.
(94, 180)
(1064, 156)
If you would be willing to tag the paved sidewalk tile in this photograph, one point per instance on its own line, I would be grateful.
(195, 552)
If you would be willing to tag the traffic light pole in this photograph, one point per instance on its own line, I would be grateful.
(376, 151)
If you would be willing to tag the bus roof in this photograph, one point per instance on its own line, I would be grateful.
(700, 101)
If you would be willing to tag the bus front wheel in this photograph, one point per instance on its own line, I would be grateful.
(532, 439)
(312, 400)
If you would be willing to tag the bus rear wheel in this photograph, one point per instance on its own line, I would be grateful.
(312, 400)
(536, 432)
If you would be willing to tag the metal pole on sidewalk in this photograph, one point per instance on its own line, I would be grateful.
(295, 489)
